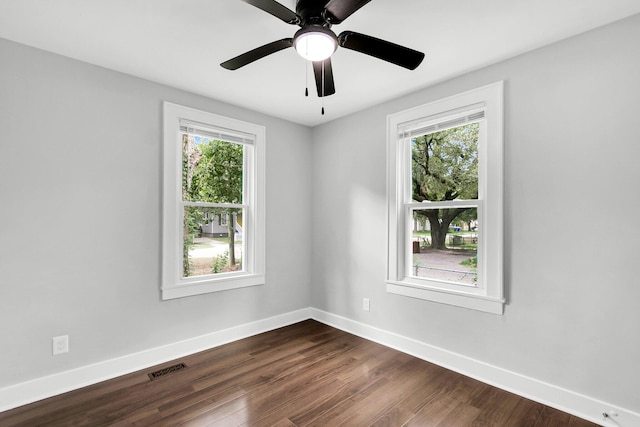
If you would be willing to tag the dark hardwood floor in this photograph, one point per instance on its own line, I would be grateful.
(307, 374)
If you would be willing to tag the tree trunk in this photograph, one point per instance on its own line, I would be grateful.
(440, 225)
(231, 228)
(438, 230)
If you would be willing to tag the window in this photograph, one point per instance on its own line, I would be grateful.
(445, 201)
(213, 207)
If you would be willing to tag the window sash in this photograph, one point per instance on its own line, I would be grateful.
(248, 265)
(407, 275)
(403, 156)
(443, 121)
(195, 128)
(247, 255)
(215, 205)
(405, 255)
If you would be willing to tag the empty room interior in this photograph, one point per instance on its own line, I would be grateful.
(408, 230)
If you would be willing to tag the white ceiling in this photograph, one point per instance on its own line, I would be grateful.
(182, 42)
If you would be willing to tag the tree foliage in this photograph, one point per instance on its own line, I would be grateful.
(444, 167)
(213, 173)
(217, 177)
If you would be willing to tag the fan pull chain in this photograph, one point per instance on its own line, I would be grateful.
(322, 88)
(306, 76)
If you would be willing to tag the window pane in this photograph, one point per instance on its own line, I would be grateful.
(212, 241)
(212, 170)
(445, 245)
(444, 164)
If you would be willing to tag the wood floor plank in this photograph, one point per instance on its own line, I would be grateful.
(277, 396)
(306, 374)
(578, 422)
(550, 417)
(496, 408)
(525, 413)
(377, 400)
(450, 402)
(435, 412)
(405, 400)
(303, 403)
(394, 417)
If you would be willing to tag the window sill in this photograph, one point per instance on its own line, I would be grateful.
(459, 299)
(212, 285)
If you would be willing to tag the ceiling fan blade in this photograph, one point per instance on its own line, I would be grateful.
(329, 88)
(257, 53)
(276, 9)
(339, 10)
(381, 49)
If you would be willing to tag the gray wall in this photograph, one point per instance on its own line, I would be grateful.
(572, 151)
(80, 203)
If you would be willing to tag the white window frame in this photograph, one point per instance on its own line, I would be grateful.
(173, 284)
(488, 294)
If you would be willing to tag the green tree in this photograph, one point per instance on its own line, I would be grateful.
(444, 167)
(217, 178)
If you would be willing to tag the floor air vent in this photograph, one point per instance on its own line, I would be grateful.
(167, 370)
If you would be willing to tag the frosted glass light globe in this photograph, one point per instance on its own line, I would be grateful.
(315, 45)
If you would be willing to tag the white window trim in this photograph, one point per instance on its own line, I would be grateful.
(488, 297)
(173, 284)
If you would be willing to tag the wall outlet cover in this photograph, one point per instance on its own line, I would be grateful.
(60, 344)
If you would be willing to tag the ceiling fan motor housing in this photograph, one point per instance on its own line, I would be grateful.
(312, 12)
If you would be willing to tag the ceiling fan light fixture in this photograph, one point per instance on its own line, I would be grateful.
(315, 43)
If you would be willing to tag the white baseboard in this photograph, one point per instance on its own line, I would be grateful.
(52, 385)
(548, 394)
(565, 400)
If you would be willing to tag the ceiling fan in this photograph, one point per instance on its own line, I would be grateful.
(316, 42)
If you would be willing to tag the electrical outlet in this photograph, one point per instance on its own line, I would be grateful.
(365, 304)
(60, 344)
